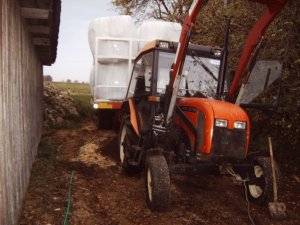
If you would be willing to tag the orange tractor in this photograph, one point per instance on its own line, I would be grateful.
(176, 119)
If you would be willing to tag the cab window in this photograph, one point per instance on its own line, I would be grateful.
(201, 74)
(141, 76)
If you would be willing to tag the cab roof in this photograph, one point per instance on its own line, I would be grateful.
(206, 51)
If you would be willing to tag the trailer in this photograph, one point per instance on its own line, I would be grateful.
(109, 79)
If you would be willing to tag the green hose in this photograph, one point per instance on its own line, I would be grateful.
(69, 198)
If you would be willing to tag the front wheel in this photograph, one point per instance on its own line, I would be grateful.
(157, 179)
(127, 138)
(259, 187)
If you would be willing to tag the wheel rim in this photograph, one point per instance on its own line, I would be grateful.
(255, 190)
(121, 147)
(149, 184)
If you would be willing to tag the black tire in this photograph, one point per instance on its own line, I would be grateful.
(158, 183)
(104, 119)
(260, 187)
(127, 137)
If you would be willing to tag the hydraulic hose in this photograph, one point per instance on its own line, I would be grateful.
(69, 198)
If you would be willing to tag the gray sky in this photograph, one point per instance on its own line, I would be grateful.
(74, 58)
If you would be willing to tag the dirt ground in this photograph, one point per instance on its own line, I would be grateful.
(102, 194)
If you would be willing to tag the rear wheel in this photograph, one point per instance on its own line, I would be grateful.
(157, 183)
(127, 139)
(259, 187)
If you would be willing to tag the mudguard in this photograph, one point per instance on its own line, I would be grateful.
(133, 117)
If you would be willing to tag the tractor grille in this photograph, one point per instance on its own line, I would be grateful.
(229, 143)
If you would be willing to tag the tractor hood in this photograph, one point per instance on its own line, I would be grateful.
(205, 114)
(217, 109)
(228, 111)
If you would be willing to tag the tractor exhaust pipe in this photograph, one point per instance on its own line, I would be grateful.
(222, 73)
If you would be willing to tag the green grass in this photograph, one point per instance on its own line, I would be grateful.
(83, 100)
(75, 88)
(44, 163)
(81, 93)
(84, 105)
(47, 150)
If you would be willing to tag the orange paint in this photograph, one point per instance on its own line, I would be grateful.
(149, 46)
(133, 118)
(153, 99)
(212, 109)
(110, 105)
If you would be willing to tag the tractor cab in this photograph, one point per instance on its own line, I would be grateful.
(151, 71)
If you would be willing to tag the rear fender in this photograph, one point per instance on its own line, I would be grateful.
(133, 116)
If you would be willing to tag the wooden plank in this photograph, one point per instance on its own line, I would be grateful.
(39, 29)
(42, 4)
(41, 41)
(3, 203)
(35, 13)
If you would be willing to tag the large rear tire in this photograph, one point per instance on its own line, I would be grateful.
(157, 183)
(259, 188)
(127, 138)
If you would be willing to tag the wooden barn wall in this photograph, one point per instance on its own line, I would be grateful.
(20, 110)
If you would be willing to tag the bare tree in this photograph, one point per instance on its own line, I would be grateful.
(169, 10)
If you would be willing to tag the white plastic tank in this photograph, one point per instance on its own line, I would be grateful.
(113, 44)
(92, 83)
(118, 27)
(162, 30)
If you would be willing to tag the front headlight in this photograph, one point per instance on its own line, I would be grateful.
(221, 123)
(240, 125)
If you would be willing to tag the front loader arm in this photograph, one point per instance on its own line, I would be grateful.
(176, 70)
(254, 37)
